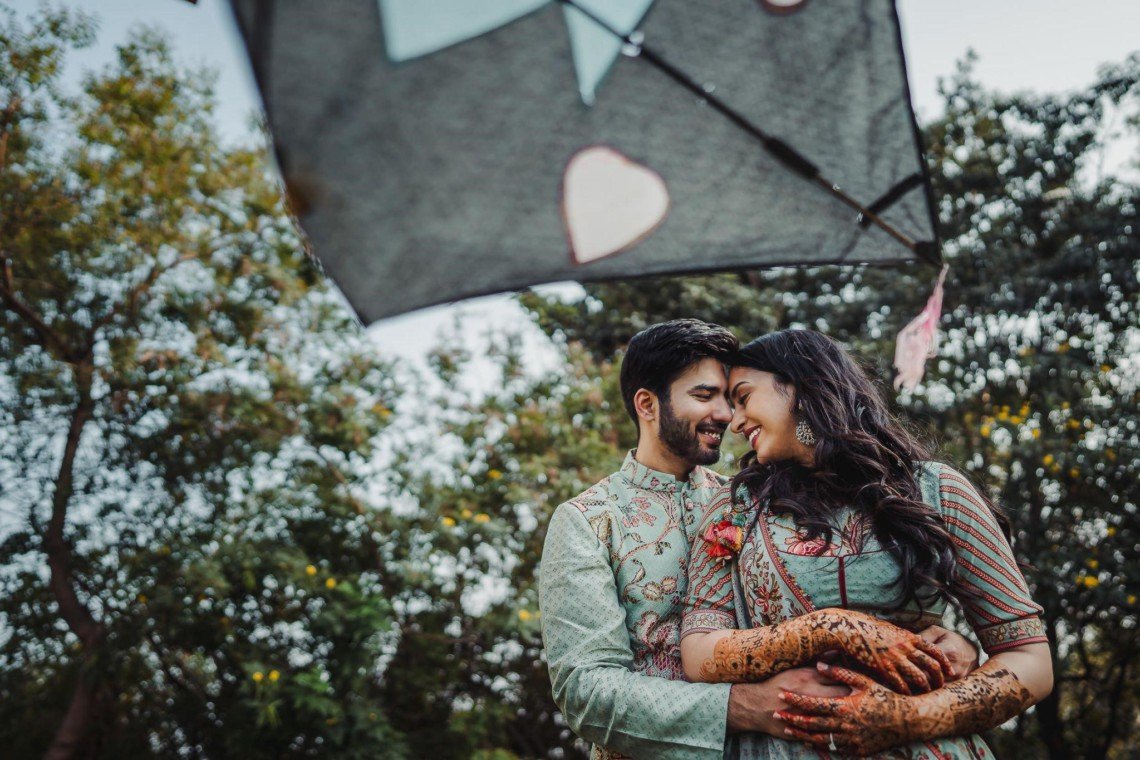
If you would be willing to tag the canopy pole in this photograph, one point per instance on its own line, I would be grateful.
(777, 148)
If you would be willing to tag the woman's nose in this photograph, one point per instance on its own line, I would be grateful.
(737, 424)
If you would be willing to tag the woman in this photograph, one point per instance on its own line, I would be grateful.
(838, 519)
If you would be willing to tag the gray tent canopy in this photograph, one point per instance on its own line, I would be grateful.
(441, 149)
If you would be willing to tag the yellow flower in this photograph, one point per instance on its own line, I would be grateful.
(381, 411)
(1105, 368)
(1073, 424)
(1093, 564)
(494, 474)
(1074, 473)
(466, 514)
(311, 570)
(1024, 410)
(257, 676)
(448, 522)
(1110, 455)
(330, 583)
(1064, 404)
(274, 675)
(482, 517)
(1047, 460)
(1132, 599)
(141, 598)
(1111, 531)
(985, 431)
(1003, 415)
(1017, 420)
(1036, 432)
(1090, 581)
(524, 615)
(1055, 469)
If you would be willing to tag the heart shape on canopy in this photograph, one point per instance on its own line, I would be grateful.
(610, 203)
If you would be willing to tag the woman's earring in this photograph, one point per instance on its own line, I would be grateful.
(804, 433)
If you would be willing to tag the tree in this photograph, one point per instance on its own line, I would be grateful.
(188, 424)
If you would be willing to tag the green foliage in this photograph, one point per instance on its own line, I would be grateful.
(218, 586)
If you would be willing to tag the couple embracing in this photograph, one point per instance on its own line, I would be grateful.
(792, 611)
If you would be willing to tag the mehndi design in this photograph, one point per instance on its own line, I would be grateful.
(986, 698)
(906, 662)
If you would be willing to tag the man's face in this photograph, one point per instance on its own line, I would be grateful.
(695, 413)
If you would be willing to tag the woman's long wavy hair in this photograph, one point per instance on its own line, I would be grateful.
(864, 458)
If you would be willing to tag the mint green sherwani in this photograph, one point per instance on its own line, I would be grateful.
(612, 586)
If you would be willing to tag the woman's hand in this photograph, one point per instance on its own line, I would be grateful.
(906, 662)
(902, 659)
(872, 718)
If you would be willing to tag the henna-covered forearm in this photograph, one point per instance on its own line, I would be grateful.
(758, 654)
(906, 662)
(873, 718)
(988, 697)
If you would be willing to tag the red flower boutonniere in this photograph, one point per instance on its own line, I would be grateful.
(725, 538)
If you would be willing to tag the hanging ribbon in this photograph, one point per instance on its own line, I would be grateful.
(918, 341)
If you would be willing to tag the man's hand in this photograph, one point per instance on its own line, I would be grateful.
(959, 650)
(751, 706)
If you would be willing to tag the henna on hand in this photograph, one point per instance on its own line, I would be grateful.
(873, 718)
(906, 662)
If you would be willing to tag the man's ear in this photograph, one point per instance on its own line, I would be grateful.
(645, 404)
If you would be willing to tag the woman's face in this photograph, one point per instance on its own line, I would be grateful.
(763, 415)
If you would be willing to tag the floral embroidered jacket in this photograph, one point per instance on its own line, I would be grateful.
(612, 585)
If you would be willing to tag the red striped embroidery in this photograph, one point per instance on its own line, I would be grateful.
(1001, 567)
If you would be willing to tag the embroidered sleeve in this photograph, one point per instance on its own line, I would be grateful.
(990, 587)
(709, 604)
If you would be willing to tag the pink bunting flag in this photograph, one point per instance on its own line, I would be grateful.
(918, 341)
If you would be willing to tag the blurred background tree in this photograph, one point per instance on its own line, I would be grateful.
(219, 540)
(188, 567)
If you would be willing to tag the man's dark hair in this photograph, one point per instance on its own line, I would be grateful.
(661, 353)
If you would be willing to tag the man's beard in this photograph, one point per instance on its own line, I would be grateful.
(684, 441)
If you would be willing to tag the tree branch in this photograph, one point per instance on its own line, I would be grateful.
(77, 616)
(48, 338)
(130, 304)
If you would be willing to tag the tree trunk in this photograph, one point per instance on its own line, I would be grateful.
(79, 618)
(1048, 712)
(71, 732)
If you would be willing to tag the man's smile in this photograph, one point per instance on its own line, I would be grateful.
(711, 435)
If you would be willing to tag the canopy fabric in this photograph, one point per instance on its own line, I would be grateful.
(432, 156)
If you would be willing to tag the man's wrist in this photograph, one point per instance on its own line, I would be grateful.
(747, 710)
(737, 713)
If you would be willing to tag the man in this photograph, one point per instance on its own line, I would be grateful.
(613, 575)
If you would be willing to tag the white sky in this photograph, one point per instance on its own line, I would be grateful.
(1041, 45)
